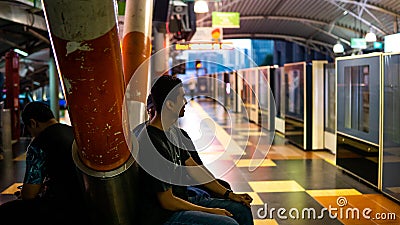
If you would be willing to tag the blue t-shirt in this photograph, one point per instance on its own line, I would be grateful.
(35, 165)
(49, 163)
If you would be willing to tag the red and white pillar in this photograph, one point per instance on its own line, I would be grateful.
(12, 86)
(87, 51)
(85, 43)
(136, 50)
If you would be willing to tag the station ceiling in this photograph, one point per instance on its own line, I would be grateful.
(317, 24)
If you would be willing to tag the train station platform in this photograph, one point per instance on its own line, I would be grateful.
(288, 185)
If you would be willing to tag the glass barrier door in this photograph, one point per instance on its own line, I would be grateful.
(358, 116)
(266, 101)
(391, 127)
(330, 98)
(330, 107)
(294, 103)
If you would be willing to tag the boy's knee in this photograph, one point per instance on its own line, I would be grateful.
(230, 221)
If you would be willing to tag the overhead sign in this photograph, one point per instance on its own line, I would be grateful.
(207, 34)
(226, 19)
(205, 46)
(392, 43)
(358, 43)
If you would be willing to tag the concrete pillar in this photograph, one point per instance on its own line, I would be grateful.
(53, 84)
(160, 61)
(6, 130)
(12, 86)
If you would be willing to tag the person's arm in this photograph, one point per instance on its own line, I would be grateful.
(202, 172)
(34, 173)
(170, 202)
(30, 191)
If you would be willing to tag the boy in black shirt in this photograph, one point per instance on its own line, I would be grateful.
(163, 168)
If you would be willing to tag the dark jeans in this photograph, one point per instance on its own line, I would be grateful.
(40, 212)
(241, 213)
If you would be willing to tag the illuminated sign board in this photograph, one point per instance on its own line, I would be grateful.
(392, 43)
(207, 34)
(205, 46)
(378, 45)
(226, 19)
(359, 43)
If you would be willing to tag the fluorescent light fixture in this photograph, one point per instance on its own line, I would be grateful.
(200, 6)
(338, 48)
(370, 36)
(20, 52)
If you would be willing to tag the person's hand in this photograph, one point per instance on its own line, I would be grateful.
(18, 194)
(242, 198)
(219, 211)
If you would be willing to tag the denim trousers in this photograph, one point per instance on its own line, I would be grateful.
(241, 213)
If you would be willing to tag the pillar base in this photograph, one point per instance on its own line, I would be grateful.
(110, 196)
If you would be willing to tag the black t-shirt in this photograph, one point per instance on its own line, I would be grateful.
(187, 141)
(156, 152)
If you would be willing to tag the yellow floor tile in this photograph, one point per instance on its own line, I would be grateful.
(12, 189)
(265, 222)
(333, 162)
(276, 186)
(248, 133)
(237, 136)
(244, 143)
(254, 162)
(333, 192)
(21, 157)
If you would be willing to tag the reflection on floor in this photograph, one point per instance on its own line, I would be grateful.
(288, 185)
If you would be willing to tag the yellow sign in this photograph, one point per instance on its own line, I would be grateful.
(205, 46)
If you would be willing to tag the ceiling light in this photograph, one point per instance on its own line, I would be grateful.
(338, 48)
(200, 6)
(20, 52)
(370, 36)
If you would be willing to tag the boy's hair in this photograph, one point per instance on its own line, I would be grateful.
(38, 111)
(164, 88)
